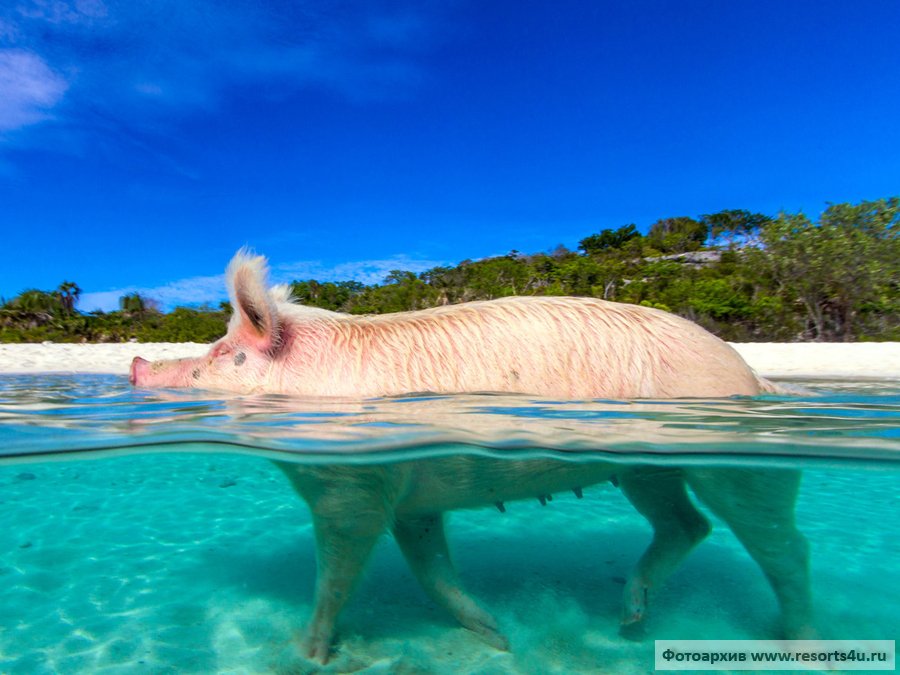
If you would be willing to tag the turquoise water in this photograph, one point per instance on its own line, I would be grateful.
(149, 531)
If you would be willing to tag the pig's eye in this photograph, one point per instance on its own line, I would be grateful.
(239, 358)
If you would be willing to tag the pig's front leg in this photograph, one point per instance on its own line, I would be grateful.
(344, 541)
(351, 507)
(424, 545)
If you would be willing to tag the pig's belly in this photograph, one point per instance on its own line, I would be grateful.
(468, 482)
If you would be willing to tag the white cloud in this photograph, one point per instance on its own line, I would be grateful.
(62, 11)
(190, 291)
(106, 301)
(29, 89)
(211, 289)
(183, 55)
(365, 271)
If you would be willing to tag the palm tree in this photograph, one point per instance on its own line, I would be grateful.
(133, 304)
(34, 308)
(68, 293)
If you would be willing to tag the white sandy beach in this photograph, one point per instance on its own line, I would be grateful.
(857, 360)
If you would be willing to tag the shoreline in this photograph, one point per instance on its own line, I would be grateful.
(794, 360)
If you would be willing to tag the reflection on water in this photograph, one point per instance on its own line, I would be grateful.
(192, 554)
(51, 414)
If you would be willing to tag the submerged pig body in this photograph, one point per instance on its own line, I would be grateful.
(353, 506)
(559, 347)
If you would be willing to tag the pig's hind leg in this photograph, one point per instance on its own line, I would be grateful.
(659, 494)
(424, 544)
(758, 505)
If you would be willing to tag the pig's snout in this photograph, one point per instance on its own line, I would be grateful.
(138, 370)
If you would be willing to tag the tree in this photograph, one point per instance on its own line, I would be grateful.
(498, 277)
(68, 292)
(608, 239)
(447, 282)
(677, 235)
(34, 308)
(560, 252)
(839, 267)
(401, 291)
(135, 304)
(327, 295)
(735, 226)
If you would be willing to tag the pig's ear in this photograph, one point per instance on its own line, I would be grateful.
(256, 317)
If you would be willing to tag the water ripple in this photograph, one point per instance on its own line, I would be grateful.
(56, 415)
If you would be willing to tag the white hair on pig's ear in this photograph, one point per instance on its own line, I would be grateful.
(256, 317)
(281, 293)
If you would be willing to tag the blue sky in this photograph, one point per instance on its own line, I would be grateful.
(143, 143)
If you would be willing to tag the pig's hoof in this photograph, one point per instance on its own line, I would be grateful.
(486, 629)
(635, 631)
(317, 648)
(494, 638)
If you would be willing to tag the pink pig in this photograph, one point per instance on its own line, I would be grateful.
(550, 346)
(558, 347)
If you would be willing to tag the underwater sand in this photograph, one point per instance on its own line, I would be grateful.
(204, 563)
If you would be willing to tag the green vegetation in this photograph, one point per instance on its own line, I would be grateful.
(137, 320)
(745, 276)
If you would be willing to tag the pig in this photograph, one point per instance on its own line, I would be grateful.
(557, 347)
(549, 346)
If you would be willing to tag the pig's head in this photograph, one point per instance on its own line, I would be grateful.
(243, 360)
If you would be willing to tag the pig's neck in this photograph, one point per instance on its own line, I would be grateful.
(322, 357)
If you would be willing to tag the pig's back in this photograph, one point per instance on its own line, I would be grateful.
(561, 347)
